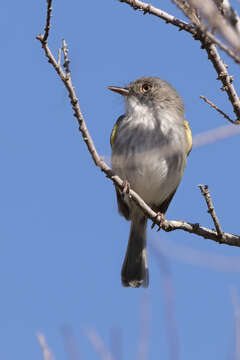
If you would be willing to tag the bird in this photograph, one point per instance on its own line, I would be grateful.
(150, 144)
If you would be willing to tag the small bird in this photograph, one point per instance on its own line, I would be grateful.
(150, 144)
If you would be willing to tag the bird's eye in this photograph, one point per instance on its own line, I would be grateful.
(146, 87)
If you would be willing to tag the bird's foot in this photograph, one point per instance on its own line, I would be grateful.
(126, 187)
(162, 220)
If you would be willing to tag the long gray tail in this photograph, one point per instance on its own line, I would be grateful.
(135, 266)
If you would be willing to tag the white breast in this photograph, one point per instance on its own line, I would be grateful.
(133, 106)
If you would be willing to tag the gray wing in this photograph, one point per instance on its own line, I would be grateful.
(122, 206)
(164, 206)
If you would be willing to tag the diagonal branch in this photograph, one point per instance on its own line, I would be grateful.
(205, 192)
(229, 13)
(210, 12)
(47, 27)
(218, 110)
(47, 354)
(188, 10)
(98, 344)
(226, 238)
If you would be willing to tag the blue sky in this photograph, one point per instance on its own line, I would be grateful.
(62, 240)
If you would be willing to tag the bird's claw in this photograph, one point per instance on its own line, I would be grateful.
(161, 223)
(126, 187)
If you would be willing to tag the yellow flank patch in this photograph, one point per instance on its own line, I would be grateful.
(189, 136)
(113, 134)
(114, 130)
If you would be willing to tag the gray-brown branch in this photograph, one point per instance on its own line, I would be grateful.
(205, 192)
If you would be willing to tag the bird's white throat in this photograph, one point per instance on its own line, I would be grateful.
(139, 113)
(142, 114)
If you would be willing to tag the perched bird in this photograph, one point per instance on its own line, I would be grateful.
(150, 144)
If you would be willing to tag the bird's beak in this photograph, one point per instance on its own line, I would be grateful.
(119, 90)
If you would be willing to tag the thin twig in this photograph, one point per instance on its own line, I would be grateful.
(188, 10)
(98, 344)
(176, 251)
(229, 13)
(228, 239)
(219, 110)
(149, 9)
(205, 192)
(217, 134)
(215, 19)
(66, 60)
(47, 355)
(59, 56)
(47, 27)
(225, 78)
(208, 43)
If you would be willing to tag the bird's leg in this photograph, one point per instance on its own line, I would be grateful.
(126, 187)
(162, 220)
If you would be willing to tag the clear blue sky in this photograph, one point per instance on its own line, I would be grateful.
(62, 240)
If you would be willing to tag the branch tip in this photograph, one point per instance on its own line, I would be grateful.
(206, 193)
(235, 122)
(48, 19)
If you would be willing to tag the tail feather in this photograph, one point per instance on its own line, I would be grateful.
(135, 266)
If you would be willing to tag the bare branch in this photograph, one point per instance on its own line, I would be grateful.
(224, 77)
(214, 18)
(59, 57)
(98, 344)
(47, 27)
(149, 9)
(228, 239)
(188, 10)
(191, 256)
(66, 60)
(205, 192)
(219, 110)
(219, 133)
(47, 355)
(75, 105)
(229, 13)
